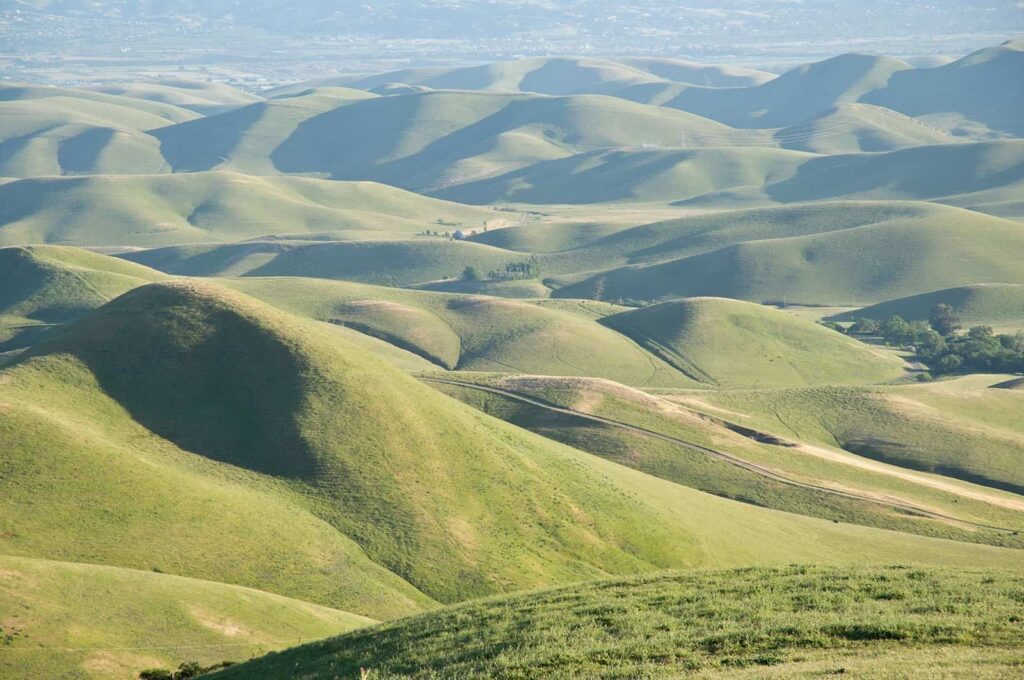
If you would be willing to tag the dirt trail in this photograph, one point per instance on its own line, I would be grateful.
(728, 458)
(916, 478)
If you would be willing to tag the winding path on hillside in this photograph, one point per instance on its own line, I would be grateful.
(714, 453)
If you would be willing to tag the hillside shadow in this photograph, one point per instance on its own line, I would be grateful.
(201, 376)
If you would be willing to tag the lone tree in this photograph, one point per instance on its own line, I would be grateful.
(470, 274)
(944, 320)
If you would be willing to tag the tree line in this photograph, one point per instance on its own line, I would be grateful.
(944, 347)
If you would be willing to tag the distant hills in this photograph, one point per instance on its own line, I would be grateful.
(147, 211)
(558, 76)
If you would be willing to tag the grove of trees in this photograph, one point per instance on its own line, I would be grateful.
(940, 344)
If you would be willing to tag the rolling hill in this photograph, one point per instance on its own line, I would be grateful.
(803, 621)
(977, 96)
(245, 138)
(64, 619)
(871, 262)
(331, 472)
(195, 95)
(130, 112)
(695, 73)
(861, 167)
(207, 207)
(45, 286)
(57, 131)
(1000, 305)
(794, 97)
(386, 262)
(429, 139)
(470, 332)
(680, 437)
(557, 76)
(980, 90)
(739, 344)
(855, 128)
(958, 428)
(632, 175)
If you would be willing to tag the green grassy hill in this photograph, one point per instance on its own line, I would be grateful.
(211, 207)
(540, 75)
(391, 263)
(695, 73)
(980, 90)
(990, 179)
(680, 437)
(45, 286)
(958, 428)
(135, 113)
(56, 131)
(907, 161)
(797, 95)
(61, 136)
(331, 472)
(430, 139)
(556, 76)
(200, 96)
(632, 175)
(939, 248)
(244, 139)
(470, 332)
(910, 174)
(977, 96)
(739, 344)
(993, 304)
(69, 620)
(854, 128)
(793, 621)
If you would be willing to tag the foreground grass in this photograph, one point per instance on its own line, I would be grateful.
(664, 625)
(60, 619)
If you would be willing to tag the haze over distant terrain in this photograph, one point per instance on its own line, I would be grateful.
(317, 37)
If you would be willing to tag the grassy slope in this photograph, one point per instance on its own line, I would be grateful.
(853, 128)
(797, 95)
(981, 88)
(42, 286)
(910, 167)
(457, 503)
(794, 620)
(990, 179)
(470, 333)
(244, 139)
(999, 305)
(960, 428)
(693, 73)
(876, 487)
(936, 248)
(138, 114)
(633, 175)
(739, 344)
(195, 95)
(53, 609)
(560, 75)
(203, 207)
(393, 263)
(54, 131)
(431, 139)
